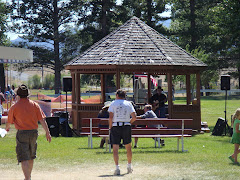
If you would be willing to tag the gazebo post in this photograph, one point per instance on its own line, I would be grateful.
(118, 79)
(73, 88)
(170, 102)
(103, 89)
(198, 93)
(78, 89)
(188, 89)
(149, 86)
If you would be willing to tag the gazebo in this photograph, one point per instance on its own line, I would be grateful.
(136, 47)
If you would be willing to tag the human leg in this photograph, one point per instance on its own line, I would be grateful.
(116, 158)
(115, 153)
(129, 152)
(27, 167)
(129, 157)
(236, 152)
(135, 142)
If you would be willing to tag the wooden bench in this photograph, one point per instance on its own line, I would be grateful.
(178, 131)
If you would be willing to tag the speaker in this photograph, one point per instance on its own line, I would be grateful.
(219, 127)
(225, 82)
(67, 84)
(65, 129)
(53, 125)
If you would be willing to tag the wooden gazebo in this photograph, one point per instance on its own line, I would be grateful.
(136, 47)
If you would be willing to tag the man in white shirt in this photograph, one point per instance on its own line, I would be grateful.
(121, 115)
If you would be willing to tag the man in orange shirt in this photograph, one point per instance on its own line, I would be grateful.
(25, 115)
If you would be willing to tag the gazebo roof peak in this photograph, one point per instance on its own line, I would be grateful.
(135, 43)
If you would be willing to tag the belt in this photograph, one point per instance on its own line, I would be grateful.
(121, 124)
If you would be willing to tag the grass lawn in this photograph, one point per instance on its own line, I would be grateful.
(206, 158)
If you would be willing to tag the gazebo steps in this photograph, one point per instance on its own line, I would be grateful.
(204, 127)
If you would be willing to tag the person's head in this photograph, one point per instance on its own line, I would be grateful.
(106, 106)
(23, 91)
(147, 107)
(236, 114)
(120, 94)
(159, 89)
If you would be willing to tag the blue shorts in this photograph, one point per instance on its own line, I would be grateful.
(119, 133)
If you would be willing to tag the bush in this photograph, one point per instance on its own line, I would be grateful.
(34, 82)
(48, 81)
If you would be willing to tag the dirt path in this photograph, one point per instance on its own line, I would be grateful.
(91, 173)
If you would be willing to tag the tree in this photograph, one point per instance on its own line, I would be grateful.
(227, 24)
(41, 21)
(191, 24)
(146, 10)
(3, 40)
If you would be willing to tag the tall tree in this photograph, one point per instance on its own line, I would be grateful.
(190, 23)
(41, 21)
(98, 18)
(147, 10)
(3, 40)
(227, 25)
(193, 27)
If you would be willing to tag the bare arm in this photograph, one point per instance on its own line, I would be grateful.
(7, 126)
(45, 127)
(110, 120)
(134, 117)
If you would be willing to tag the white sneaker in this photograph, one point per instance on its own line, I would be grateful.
(129, 170)
(117, 172)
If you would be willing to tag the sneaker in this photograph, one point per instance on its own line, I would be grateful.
(162, 142)
(117, 172)
(135, 146)
(129, 170)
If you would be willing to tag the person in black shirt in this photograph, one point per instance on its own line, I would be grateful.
(158, 101)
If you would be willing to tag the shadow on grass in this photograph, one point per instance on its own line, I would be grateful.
(121, 175)
(141, 151)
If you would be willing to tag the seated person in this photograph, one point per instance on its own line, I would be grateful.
(148, 113)
(103, 114)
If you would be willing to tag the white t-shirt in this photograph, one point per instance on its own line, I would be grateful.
(121, 110)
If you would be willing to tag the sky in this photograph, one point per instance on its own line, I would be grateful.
(14, 36)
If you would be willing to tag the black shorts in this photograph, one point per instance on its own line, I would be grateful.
(121, 132)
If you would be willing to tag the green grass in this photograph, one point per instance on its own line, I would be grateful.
(206, 158)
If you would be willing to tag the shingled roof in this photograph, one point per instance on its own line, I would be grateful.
(135, 43)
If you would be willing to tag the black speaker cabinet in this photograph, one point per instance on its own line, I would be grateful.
(225, 82)
(67, 84)
(53, 125)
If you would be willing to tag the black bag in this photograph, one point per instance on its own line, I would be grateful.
(218, 130)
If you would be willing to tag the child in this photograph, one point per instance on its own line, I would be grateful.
(236, 137)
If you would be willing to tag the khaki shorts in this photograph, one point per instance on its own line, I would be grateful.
(26, 144)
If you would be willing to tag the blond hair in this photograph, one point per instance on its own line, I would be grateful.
(236, 115)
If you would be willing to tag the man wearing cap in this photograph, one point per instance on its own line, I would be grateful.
(25, 114)
(120, 122)
(158, 101)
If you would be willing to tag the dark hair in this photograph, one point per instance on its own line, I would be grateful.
(121, 93)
